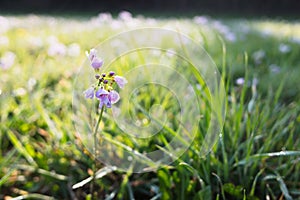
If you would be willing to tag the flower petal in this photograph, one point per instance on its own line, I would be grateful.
(89, 93)
(96, 63)
(104, 100)
(92, 54)
(121, 81)
(114, 96)
(100, 92)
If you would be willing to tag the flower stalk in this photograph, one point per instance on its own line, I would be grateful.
(103, 90)
(94, 194)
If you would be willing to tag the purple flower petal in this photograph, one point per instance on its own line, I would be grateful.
(102, 95)
(89, 93)
(101, 104)
(108, 103)
(114, 96)
(92, 54)
(121, 81)
(104, 101)
(100, 92)
(96, 63)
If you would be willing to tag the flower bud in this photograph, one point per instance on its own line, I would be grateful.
(111, 73)
(97, 76)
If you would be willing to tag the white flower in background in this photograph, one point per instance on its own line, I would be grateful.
(274, 68)
(105, 17)
(240, 81)
(35, 42)
(116, 24)
(4, 24)
(284, 48)
(19, 92)
(202, 20)
(56, 49)
(219, 26)
(125, 16)
(4, 41)
(31, 83)
(74, 50)
(151, 21)
(230, 36)
(258, 56)
(7, 60)
(224, 30)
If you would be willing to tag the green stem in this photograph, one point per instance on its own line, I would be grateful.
(95, 154)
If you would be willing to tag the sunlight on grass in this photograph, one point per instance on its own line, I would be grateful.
(257, 156)
(280, 29)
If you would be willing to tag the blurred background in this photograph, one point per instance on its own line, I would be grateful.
(241, 7)
(256, 47)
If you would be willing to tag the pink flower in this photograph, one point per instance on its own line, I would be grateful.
(121, 81)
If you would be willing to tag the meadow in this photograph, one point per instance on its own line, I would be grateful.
(257, 156)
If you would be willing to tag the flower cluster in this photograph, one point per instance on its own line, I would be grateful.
(103, 89)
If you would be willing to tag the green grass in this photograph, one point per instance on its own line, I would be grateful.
(257, 156)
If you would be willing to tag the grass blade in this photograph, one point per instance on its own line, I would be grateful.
(21, 149)
(282, 185)
(51, 174)
(99, 174)
(266, 155)
(33, 196)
